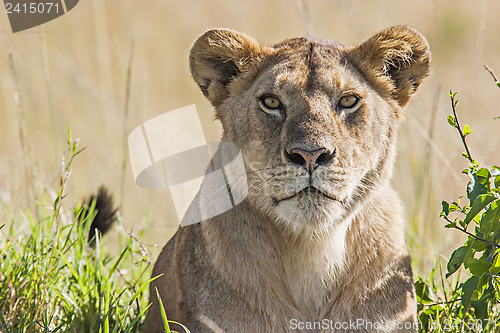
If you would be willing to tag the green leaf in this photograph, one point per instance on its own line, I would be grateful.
(497, 182)
(479, 184)
(478, 267)
(456, 260)
(481, 310)
(483, 172)
(467, 130)
(478, 245)
(489, 221)
(468, 288)
(424, 318)
(498, 84)
(478, 205)
(422, 292)
(495, 267)
(455, 206)
(482, 284)
(446, 208)
(452, 121)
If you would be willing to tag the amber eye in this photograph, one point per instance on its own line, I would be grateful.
(271, 102)
(348, 101)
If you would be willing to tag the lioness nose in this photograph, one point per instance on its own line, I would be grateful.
(310, 159)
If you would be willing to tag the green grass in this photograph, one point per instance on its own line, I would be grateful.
(51, 280)
(166, 322)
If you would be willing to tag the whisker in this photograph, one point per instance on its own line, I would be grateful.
(257, 170)
(238, 179)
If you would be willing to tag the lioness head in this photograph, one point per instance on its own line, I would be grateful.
(316, 121)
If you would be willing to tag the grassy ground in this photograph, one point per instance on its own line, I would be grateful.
(52, 280)
(75, 70)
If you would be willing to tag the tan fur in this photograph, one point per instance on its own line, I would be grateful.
(285, 255)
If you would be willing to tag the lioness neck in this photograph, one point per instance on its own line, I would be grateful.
(300, 271)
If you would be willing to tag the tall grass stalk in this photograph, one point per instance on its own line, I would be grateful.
(304, 15)
(46, 75)
(21, 127)
(125, 122)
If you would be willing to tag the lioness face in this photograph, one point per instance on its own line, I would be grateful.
(315, 120)
(314, 130)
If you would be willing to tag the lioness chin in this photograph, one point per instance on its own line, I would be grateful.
(318, 244)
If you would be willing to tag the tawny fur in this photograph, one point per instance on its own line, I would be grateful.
(283, 255)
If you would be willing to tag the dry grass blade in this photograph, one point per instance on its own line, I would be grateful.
(21, 128)
(299, 4)
(125, 121)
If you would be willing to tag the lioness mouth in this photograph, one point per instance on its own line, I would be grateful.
(309, 190)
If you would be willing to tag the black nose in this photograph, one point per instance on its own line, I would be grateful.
(310, 159)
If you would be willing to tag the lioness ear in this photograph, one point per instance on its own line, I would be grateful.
(219, 56)
(396, 59)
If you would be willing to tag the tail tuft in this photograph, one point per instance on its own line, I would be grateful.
(106, 212)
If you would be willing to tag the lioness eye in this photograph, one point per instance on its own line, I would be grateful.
(348, 101)
(271, 103)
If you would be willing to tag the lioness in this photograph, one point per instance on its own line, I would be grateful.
(318, 245)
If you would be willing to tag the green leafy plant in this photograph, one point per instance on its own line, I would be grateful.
(470, 302)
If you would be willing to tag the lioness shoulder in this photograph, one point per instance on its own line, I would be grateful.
(318, 242)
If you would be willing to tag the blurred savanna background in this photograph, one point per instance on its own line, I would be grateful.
(107, 66)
